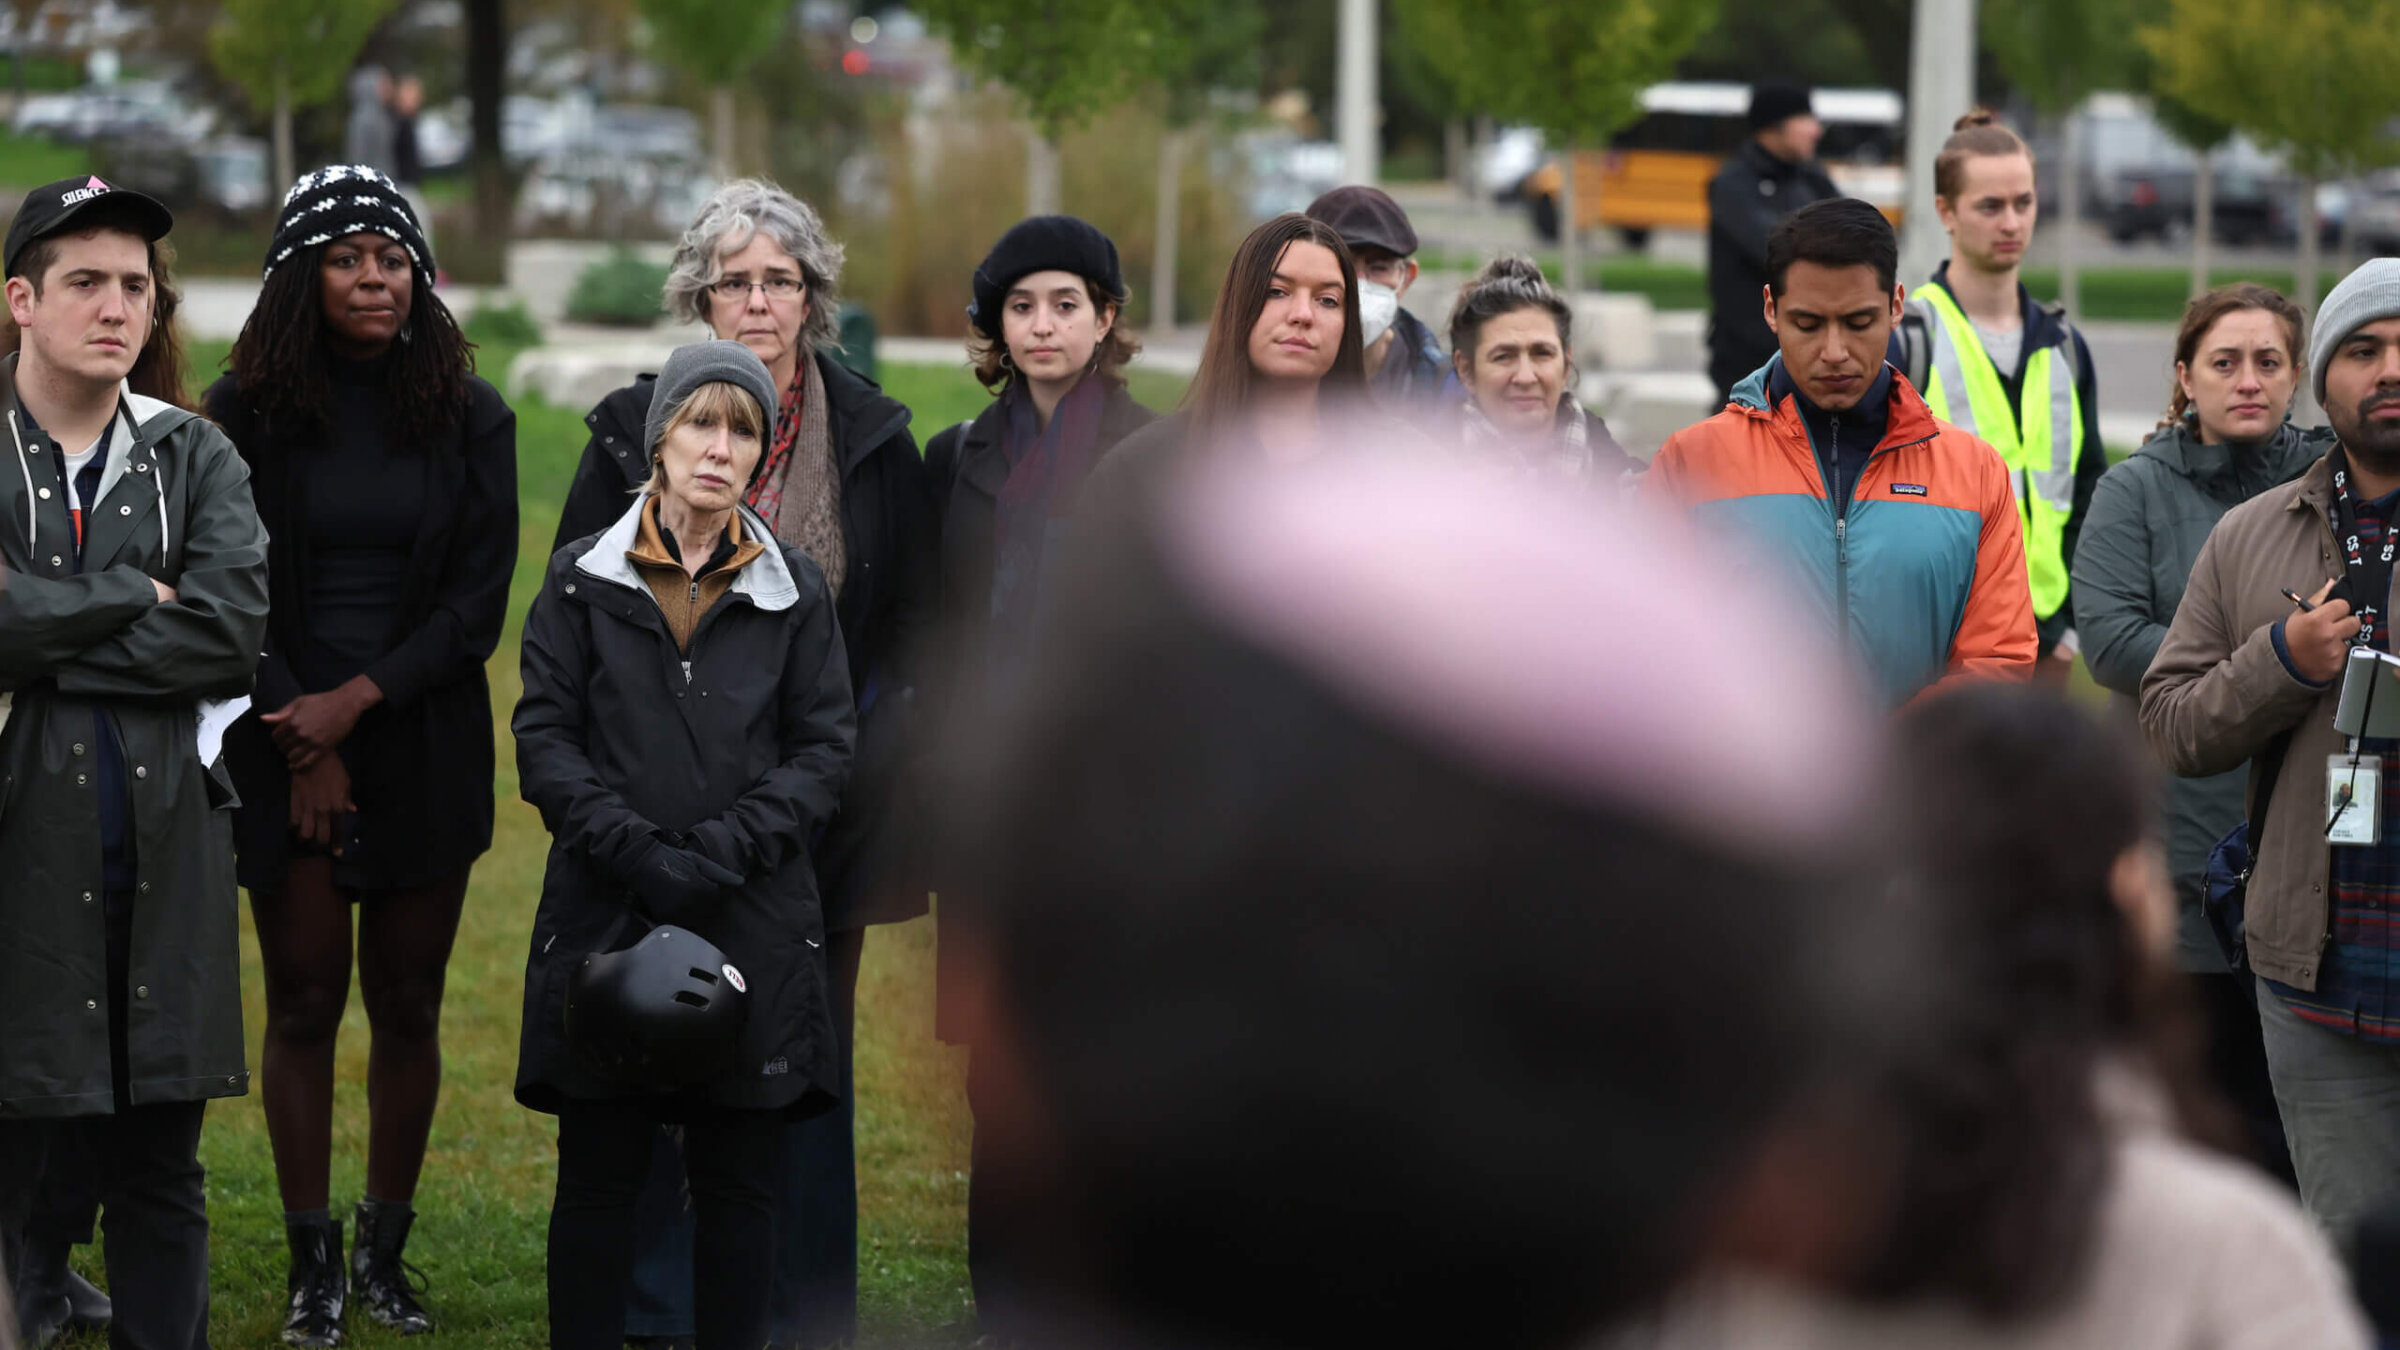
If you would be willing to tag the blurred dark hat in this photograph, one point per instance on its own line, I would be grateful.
(1043, 244)
(1366, 217)
(1773, 101)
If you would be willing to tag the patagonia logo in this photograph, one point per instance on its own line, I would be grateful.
(1908, 489)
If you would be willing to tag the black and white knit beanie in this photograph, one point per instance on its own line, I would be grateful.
(346, 199)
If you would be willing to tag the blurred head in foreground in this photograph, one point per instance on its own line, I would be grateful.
(1402, 912)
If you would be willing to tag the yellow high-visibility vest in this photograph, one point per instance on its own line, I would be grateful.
(2041, 454)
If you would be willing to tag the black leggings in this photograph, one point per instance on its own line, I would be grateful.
(603, 1157)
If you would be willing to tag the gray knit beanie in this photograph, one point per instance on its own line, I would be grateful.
(688, 368)
(2370, 294)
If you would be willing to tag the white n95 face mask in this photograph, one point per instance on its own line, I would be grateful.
(1378, 305)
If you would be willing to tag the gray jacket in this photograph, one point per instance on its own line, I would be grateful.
(175, 506)
(2148, 518)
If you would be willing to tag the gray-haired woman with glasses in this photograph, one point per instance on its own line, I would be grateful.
(842, 482)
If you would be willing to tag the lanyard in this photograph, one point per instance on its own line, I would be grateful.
(2369, 580)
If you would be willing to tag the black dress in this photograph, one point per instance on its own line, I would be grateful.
(390, 560)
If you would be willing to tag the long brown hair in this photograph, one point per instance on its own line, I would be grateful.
(1226, 381)
(1973, 136)
(2202, 314)
(159, 371)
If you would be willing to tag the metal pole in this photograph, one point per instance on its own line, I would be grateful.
(1354, 92)
(1941, 87)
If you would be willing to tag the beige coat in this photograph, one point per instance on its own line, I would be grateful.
(2217, 695)
(2194, 1251)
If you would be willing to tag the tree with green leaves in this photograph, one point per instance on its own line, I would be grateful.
(289, 54)
(716, 42)
(2203, 133)
(1066, 59)
(1573, 68)
(2057, 53)
(1190, 49)
(2311, 78)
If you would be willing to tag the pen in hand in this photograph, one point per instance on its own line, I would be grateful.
(2294, 597)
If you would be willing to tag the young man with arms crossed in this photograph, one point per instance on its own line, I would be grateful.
(137, 592)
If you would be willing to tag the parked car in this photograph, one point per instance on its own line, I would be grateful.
(2158, 203)
(223, 173)
(147, 109)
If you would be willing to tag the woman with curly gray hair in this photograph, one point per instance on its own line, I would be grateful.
(843, 483)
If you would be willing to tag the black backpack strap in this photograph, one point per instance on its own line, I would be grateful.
(2071, 348)
(2270, 767)
(1916, 346)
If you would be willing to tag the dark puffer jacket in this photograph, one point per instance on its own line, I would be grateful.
(2148, 518)
(616, 742)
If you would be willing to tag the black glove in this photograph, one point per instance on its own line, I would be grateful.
(714, 840)
(671, 882)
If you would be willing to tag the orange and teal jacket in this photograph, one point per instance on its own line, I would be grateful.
(1919, 563)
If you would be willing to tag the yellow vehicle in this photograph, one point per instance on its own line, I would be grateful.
(1654, 175)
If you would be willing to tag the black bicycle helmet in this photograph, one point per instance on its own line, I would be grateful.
(663, 1013)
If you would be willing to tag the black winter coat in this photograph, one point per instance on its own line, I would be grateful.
(890, 530)
(176, 507)
(968, 467)
(421, 761)
(1748, 196)
(616, 743)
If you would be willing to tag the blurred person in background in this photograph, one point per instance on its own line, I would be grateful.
(136, 600)
(1993, 363)
(408, 158)
(386, 475)
(1513, 343)
(686, 732)
(1899, 531)
(2045, 1122)
(1772, 175)
(2225, 439)
(1049, 299)
(2247, 676)
(841, 481)
(1283, 356)
(367, 138)
(1406, 371)
(1354, 966)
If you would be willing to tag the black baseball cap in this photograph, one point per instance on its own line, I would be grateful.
(81, 203)
(1365, 217)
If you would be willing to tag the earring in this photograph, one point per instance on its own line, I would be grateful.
(1006, 362)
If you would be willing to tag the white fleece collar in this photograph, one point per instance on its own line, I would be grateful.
(765, 580)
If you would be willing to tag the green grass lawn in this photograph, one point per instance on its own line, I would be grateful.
(30, 161)
(484, 1202)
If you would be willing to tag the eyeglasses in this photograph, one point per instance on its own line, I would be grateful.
(777, 288)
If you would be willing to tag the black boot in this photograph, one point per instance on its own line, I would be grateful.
(87, 1308)
(387, 1285)
(41, 1292)
(317, 1286)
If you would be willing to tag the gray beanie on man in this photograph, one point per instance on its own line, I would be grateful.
(700, 363)
(2368, 295)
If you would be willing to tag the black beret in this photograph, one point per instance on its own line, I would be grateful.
(1043, 244)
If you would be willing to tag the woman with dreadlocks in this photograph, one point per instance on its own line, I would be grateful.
(386, 474)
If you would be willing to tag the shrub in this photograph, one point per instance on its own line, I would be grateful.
(620, 291)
